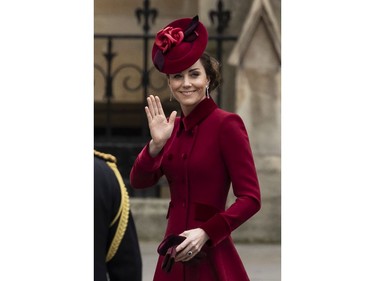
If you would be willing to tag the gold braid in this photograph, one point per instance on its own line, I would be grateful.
(123, 212)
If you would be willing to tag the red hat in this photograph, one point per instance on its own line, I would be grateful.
(179, 45)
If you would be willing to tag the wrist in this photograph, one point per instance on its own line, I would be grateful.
(205, 235)
(155, 148)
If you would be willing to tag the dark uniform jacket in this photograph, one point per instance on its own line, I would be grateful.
(127, 263)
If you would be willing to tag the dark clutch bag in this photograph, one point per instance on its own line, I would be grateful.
(167, 248)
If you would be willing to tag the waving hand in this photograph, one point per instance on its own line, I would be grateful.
(160, 127)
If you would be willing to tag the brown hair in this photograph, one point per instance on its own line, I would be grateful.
(212, 68)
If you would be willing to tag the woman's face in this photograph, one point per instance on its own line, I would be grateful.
(189, 86)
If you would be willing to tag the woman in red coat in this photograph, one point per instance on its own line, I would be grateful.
(202, 153)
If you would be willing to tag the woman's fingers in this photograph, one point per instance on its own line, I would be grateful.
(182, 245)
(159, 107)
(172, 117)
(154, 105)
(191, 246)
(148, 114)
(186, 255)
(150, 106)
(186, 250)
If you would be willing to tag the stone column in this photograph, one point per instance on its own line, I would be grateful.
(257, 60)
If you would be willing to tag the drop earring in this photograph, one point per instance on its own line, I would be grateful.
(207, 93)
(170, 97)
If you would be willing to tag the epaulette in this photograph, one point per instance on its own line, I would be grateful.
(105, 156)
(122, 215)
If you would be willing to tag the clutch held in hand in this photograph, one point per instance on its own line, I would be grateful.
(169, 241)
(167, 248)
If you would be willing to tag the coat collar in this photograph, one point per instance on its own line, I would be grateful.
(199, 113)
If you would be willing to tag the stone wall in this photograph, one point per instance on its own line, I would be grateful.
(257, 58)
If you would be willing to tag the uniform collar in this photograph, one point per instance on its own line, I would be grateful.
(199, 113)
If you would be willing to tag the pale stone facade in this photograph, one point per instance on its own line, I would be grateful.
(257, 57)
(251, 72)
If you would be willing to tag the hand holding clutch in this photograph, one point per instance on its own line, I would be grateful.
(167, 248)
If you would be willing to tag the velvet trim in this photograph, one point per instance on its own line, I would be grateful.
(199, 113)
(211, 228)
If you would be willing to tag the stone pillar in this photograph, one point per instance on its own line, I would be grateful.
(256, 56)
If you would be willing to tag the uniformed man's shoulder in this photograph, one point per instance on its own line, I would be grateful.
(105, 156)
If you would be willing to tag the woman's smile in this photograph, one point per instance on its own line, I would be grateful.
(188, 93)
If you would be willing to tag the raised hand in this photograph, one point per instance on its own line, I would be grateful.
(160, 127)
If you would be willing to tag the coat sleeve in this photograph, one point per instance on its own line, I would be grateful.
(238, 158)
(146, 170)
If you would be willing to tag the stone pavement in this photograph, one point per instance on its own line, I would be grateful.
(262, 261)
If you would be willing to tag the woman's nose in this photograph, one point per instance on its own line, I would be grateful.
(186, 82)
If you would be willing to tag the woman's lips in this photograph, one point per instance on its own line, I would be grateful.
(187, 93)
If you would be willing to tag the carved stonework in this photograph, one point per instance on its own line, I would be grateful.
(257, 59)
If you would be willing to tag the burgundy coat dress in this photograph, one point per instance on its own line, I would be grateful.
(208, 150)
